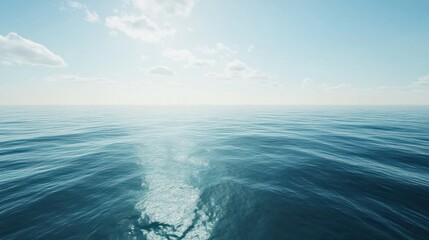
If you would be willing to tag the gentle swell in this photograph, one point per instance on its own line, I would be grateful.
(214, 173)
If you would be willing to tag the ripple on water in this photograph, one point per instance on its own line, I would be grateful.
(214, 173)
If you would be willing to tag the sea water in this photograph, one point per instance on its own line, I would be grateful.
(214, 172)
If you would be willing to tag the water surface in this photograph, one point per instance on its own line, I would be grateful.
(214, 173)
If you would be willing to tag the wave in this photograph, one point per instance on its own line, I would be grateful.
(214, 173)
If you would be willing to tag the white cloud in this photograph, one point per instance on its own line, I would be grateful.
(217, 76)
(257, 75)
(168, 8)
(250, 48)
(237, 69)
(392, 88)
(18, 50)
(422, 83)
(76, 78)
(144, 57)
(341, 86)
(76, 5)
(187, 56)
(236, 66)
(148, 22)
(159, 70)
(140, 27)
(422, 80)
(7, 63)
(217, 49)
(199, 62)
(90, 16)
(177, 55)
(309, 84)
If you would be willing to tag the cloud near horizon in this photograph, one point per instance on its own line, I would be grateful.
(160, 70)
(76, 78)
(15, 49)
(422, 80)
(422, 83)
(309, 84)
(185, 55)
(218, 48)
(237, 69)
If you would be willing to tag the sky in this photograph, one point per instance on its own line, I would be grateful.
(214, 52)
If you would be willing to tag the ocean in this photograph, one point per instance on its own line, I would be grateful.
(295, 172)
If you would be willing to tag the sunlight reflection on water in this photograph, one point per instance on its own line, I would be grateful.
(169, 206)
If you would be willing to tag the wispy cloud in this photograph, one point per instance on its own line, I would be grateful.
(421, 83)
(186, 56)
(76, 5)
(140, 27)
(160, 70)
(144, 57)
(76, 78)
(147, 21)
(6, 63)
(309, 83)
(341, 86)
(218, 48)
(422, 80)
(90, 16)
(237, 69)
(164, 8)
(15, 49)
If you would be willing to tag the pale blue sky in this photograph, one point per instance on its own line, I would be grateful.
(214, 52)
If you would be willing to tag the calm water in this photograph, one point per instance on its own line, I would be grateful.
(214, 173)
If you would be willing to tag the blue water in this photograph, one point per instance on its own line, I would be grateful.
(214, 173)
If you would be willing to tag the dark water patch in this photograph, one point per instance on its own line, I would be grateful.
(64, 192)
